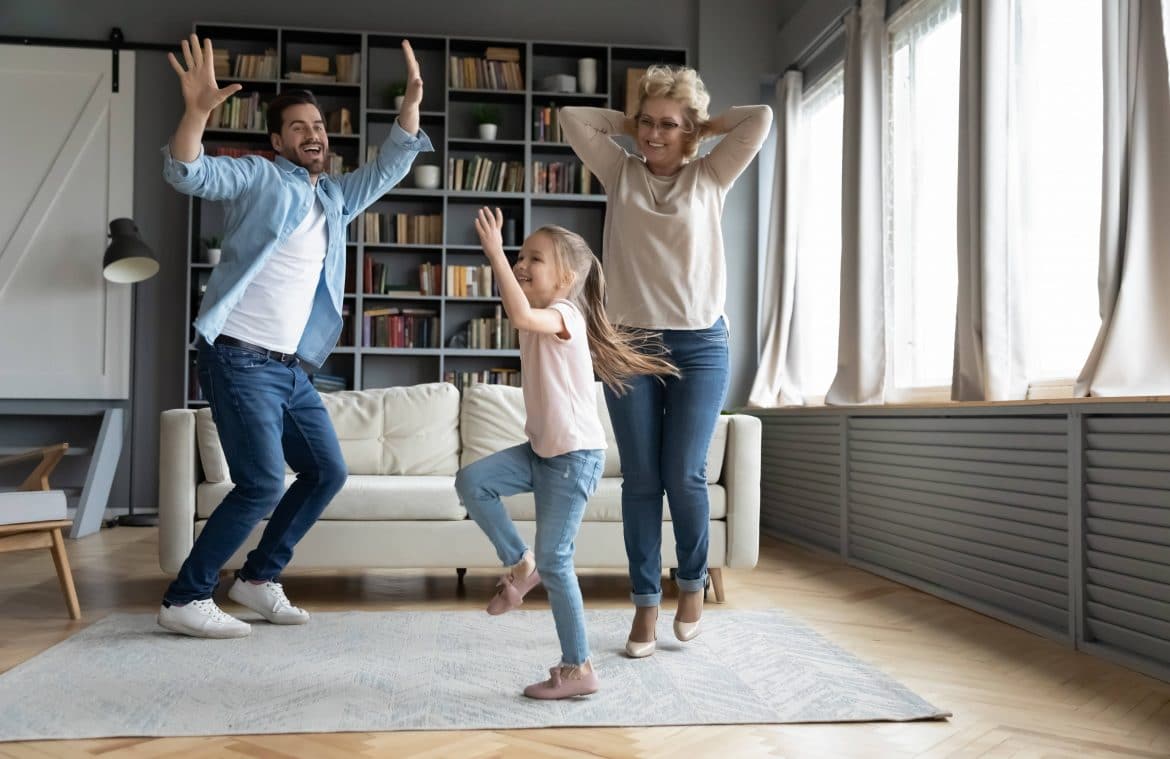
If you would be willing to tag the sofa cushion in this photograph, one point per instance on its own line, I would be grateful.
(411, 430)
(606, 503)
(492, 419)
(368, 497)
(215, 468)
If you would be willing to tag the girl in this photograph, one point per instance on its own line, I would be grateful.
(555, 297)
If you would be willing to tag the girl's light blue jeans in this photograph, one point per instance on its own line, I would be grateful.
(561, 485)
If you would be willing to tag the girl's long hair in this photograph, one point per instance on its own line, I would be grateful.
(618, 353)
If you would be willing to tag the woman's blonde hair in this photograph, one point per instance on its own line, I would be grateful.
(682, 85)
(618, 354)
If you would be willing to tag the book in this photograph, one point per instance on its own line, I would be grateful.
(32, 506)
(314, 64)
(301, 76)
(502, 54)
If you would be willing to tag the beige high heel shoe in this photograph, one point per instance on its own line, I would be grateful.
(640, 650)
(685, 631)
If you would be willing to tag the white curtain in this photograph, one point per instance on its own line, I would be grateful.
(777, 381)
(989, 326)
(861, 349)
(1131, 355)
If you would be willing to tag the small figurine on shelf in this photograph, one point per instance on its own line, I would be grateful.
(488, 119)
(213, 250)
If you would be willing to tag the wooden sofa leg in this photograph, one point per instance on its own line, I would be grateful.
(64, 574)
(460, 572)
(716, 574)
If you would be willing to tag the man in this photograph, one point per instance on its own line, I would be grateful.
(272, 303)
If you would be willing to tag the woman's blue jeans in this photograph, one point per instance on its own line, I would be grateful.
(561, 485)
(663, 431)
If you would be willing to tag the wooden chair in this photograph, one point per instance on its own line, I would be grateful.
(29, 535)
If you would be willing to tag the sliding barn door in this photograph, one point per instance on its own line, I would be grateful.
(68, 170)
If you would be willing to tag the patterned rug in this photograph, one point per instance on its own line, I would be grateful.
(379, 671)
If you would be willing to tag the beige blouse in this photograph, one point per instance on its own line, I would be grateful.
(663, 237)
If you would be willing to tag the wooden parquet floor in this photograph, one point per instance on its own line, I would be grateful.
(1013, 694)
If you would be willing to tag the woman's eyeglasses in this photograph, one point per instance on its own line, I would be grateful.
(665, 126)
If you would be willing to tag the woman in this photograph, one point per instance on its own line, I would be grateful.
(663, 258)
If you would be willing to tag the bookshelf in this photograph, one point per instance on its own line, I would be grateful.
(448, 114)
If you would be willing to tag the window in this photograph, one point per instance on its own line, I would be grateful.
(818, 241)
(1055, 171)
(921, 195)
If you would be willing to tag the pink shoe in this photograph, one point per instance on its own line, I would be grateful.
(511, 592)
(557, 686)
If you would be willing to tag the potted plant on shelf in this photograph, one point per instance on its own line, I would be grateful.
(213, 249)
(488, 119)
(397, 92)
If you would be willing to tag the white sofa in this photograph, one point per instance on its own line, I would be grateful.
(399, 509)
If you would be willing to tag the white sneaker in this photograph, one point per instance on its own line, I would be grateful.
(202, 619)
(269, 601)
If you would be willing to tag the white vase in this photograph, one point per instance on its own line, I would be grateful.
(587, 75)
(213, 255)
(487, 131)
(398, 102)
(426, 177)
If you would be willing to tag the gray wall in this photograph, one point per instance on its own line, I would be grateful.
(802, 25)
(731, 42)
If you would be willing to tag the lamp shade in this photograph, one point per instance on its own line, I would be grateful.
(128, 259)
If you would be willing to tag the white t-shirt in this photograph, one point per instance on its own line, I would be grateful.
(559, 395)
(276, 305)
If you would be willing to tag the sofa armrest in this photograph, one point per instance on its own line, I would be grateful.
(179, 472)
(741, 480)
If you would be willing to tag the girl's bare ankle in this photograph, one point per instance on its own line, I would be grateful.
(576, 671)
(524, 567)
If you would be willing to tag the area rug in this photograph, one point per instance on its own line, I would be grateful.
(401, 670)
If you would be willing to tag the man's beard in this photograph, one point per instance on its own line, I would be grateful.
(312, 165)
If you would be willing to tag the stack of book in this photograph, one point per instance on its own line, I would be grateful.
(314, 68)
(498, 69)
(349, 67)
(498, 376)
(492, 333)
(482, 174)
(470, 282)
(239, 112)
(403, 228)
(392, 327)
(339, 122)
(249, 66)
(562, 177)
(220, 60)
(546, 126)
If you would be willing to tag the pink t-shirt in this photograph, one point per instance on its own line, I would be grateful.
(559, 395)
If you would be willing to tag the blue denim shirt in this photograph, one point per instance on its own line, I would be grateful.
(264, 201)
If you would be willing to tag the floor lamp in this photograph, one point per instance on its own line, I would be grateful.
(129, 260)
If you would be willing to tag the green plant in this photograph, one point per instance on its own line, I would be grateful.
(485, 114)
(396, 88)
(211, 242)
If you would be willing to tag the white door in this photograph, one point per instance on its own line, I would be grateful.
(68, 143)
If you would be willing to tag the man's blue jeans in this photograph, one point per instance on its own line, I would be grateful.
(266, 412)
(663, 430)
(561, 485)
